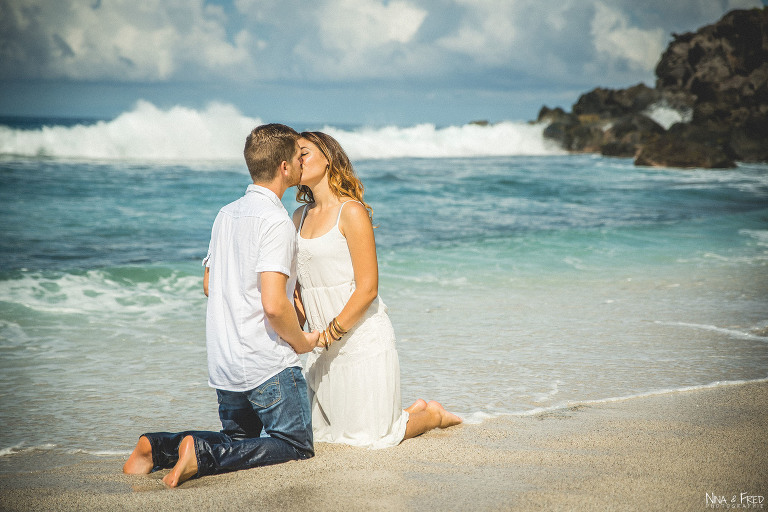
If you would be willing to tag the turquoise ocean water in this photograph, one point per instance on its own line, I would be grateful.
(517, 278)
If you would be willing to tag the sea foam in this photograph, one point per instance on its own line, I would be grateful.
(145, 133)
(100, 294)
(22, 448)
(428, 141)
(148, 133)
(665, 115)
(733, 333)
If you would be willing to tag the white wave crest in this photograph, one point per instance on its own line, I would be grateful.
(100, 295)
(21, 448)
(728, 332)
(145, 133)
(101, 453)
(571, 404)
(218, 132)
(479, 417)
(427, 141)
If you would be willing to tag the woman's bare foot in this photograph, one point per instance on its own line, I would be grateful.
(417, 406)
(447, 419)
(433, 415)
(186, 467)
(140, 461)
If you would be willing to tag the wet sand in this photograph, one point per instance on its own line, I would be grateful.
(679, 451)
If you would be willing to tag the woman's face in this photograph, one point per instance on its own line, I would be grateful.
(314, 163)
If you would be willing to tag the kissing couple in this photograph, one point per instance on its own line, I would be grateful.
(267, 275)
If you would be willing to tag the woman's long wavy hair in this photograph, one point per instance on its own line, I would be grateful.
(341, 176)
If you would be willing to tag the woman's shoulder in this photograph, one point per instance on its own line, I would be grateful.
(352, 208)
(353, 215)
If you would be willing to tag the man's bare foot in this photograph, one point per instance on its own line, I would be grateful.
(186, 467)
(417, 406)
(447, 419)
(140, 461)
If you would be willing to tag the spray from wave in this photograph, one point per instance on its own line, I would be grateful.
(218, 132)
(666, 115)
(145, 133)
(427, 141)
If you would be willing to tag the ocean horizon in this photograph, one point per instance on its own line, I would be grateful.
(519, 278)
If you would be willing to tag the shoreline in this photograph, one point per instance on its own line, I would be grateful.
(681, 450)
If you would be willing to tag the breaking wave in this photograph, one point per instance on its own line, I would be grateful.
(217, 132)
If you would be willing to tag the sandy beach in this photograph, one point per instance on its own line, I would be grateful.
(687, 450)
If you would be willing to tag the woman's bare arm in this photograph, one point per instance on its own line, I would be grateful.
(356, 226)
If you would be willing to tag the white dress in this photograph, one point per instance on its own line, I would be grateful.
(354, 386)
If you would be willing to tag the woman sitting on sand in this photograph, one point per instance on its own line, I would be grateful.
(354, 382)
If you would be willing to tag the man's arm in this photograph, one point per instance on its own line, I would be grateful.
(281, 314)
(205, 280)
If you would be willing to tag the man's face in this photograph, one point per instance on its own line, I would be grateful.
(295, 167)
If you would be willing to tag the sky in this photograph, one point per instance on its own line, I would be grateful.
(372, 62)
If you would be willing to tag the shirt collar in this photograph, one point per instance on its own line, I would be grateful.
(258, 189)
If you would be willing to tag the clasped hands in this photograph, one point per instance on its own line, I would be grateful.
(334, 332)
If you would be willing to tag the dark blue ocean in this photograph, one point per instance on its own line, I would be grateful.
(518, 278)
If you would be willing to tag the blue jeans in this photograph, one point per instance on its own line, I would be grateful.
(267, 425)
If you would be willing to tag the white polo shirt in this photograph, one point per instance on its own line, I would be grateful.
(251, 235)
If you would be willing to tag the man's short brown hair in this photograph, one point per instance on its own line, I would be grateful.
(266, 148)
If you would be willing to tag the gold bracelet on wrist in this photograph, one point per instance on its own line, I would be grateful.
(332, 331)
(336, 329)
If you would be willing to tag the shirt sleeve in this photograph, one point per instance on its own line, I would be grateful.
(207, 259)
(277, 249)
(214, 229)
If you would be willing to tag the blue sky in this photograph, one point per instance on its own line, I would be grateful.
(333, 61)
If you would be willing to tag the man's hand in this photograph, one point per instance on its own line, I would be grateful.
(314, 339)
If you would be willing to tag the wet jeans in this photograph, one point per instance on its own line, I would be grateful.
(266, 425)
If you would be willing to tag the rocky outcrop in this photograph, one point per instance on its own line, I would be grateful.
(612, 122)
(716, 79)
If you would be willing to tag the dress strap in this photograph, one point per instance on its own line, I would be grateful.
(303, 216)
(342, 207)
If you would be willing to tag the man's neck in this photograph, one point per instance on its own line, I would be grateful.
(275, 186)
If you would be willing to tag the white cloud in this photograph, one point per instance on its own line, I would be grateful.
(361, 39)
(338, 41)
(354, 26)
(151, 40)
(330, 39)
(615, 40)
(487, 32)
(532, 38)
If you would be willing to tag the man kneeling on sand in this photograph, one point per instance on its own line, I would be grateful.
(252, 332)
